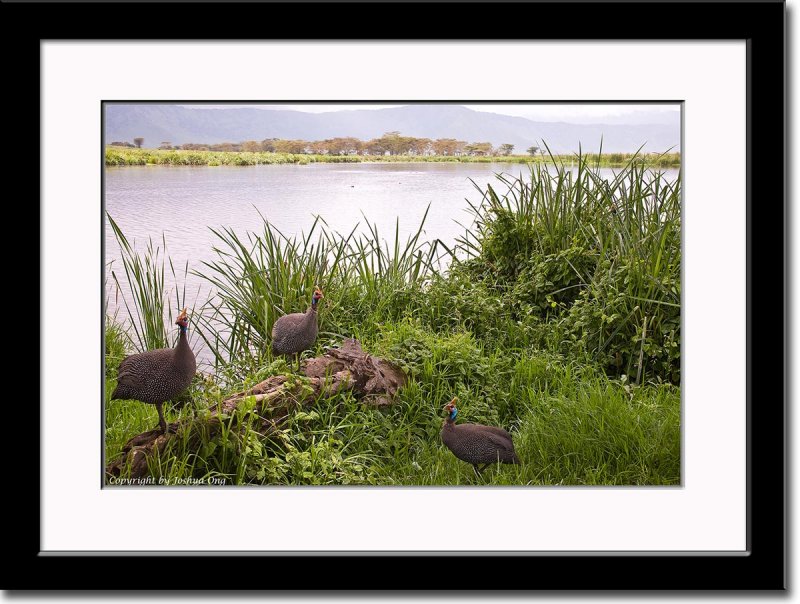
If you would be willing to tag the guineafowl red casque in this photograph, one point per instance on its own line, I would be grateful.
(294, 333)
(475, 443)
(157, 376)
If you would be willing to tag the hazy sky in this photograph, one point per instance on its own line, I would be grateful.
(583, 113)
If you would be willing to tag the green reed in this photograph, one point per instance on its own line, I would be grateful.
(150, 309)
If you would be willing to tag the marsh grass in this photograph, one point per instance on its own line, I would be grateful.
(123, 156)
(150, 304)
(535, 320)
(266, 275)
(597, 258)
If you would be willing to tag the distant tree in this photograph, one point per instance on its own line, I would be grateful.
(138, 142)
(342, 145)
(484, 148)
(353, 146)
(226, 147)
(375, 147)
(165, 145)
(421, 146)
(506, 149)
(478, 148)
(393, 142)
(533, 150)
(406, 145)
(293, 146)
(445, 146)
(251, 146)
(334, 146)
(318, 147)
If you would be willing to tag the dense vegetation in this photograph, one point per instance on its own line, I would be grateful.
(122, 156)
(391, 143)
(556, 316)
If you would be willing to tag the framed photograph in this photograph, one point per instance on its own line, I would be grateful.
(487, 297)
(499, 310)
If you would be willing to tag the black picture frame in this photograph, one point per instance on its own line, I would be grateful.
(761, 24)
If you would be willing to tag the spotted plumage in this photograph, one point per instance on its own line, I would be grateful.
(157, 376)
(475, 443)
(296, 332)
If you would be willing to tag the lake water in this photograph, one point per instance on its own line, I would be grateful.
(183, 202)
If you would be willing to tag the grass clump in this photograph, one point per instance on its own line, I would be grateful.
(597, 260)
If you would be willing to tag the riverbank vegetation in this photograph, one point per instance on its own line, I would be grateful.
(556, 316)
(122, 156)
(391, 147)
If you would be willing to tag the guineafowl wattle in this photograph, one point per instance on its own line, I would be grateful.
(157, 376)
(475, 443)
(294, 333)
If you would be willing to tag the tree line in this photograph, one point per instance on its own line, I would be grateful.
(391, 143)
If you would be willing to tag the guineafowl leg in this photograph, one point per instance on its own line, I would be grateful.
(162, 423)
(477, 471)
(297, 355)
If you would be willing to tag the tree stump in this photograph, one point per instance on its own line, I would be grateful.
(348, 368)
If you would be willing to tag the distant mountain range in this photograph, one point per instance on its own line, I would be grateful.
(178, 125)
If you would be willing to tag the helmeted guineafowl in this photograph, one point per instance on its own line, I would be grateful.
(157, 376)
(294, 333)
(476, 443)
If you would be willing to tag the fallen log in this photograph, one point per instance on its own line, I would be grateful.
(348, 368)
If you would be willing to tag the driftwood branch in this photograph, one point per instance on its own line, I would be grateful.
(348, 368)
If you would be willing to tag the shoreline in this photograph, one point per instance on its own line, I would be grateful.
(125, 157)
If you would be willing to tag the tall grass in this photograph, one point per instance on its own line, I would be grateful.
(262, 276)
(150, 310)
(598, 258)
(556, 315)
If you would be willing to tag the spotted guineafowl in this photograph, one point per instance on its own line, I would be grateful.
(157, 376)
(294, 333)
(475, 443)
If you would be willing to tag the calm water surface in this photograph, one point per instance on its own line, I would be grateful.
(182, 202)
